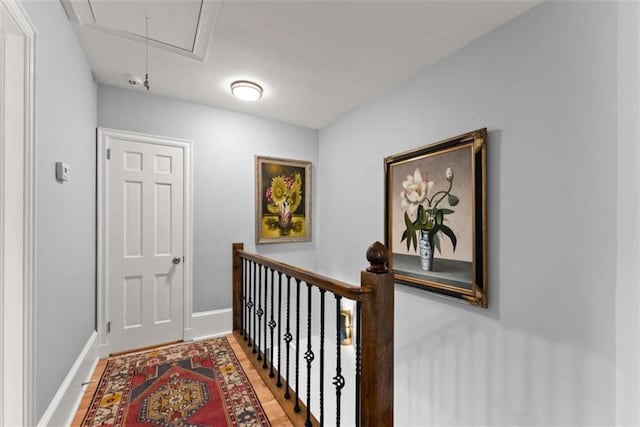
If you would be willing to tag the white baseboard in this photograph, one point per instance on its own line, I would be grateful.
(209, 324)
(65, 403)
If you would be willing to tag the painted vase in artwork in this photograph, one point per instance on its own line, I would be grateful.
(426, 251)
(285, 219)
(424, 216)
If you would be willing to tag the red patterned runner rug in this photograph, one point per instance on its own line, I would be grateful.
(189, 384)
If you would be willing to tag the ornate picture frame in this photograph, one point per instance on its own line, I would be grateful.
(436, 217)
(283, 200)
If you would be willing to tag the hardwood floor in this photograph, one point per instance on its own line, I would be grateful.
(88, 393)
(272, 408)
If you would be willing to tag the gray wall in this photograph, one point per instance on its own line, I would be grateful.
(224, 145)
(544, 353)
(65, 223)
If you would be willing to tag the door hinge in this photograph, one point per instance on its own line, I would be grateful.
(108, 153)
(109, 327)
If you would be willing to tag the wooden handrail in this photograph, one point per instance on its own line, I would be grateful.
(338, 287)
(374, 335)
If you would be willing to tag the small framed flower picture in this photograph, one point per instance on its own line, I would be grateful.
(436, 217)
(283, 200)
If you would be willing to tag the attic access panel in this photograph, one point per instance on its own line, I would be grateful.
(182, 27)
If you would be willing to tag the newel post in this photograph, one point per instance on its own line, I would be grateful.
(377, 340)
(237, 287)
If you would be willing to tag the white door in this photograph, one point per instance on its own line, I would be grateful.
(146, 188)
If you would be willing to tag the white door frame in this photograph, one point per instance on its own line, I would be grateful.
(102, 307)
(17, 312)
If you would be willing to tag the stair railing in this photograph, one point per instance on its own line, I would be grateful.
(267, 299)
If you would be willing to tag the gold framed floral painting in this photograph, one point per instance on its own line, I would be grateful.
(283, 200)
(436, 217)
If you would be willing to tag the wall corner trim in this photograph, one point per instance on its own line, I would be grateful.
(65, 403)
(17, 341)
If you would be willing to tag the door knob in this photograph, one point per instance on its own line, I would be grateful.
(176, 260)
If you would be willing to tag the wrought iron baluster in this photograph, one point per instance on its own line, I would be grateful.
(296, 408)
(279, 383)
(338, 380)
(358, 360)
(247, 297)
(308, 356)
(243, 275)
(266, 315)
(259, 312)
(287, 336)
(322, 294)
(272, 325)
(252, 305)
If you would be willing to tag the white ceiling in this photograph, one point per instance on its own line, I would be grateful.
(315, 59)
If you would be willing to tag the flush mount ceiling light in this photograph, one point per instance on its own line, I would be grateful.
(246, 90)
